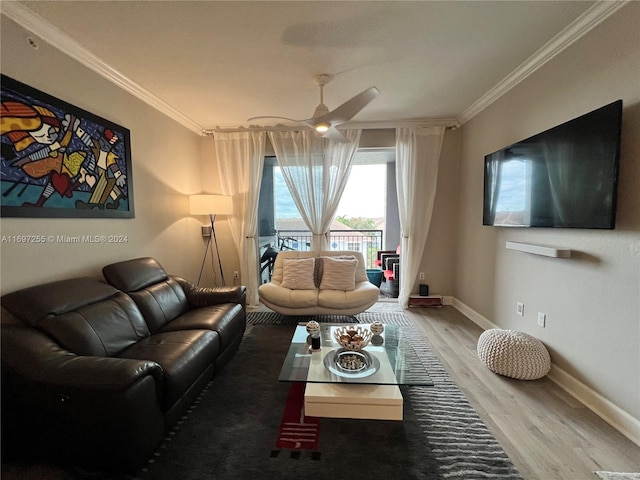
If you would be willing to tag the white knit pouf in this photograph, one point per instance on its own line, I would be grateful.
(513, 354)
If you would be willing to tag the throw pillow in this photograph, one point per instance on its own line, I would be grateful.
(320, 267)
(339, 273)
(297, 273)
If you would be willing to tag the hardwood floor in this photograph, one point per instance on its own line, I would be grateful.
(547, 433)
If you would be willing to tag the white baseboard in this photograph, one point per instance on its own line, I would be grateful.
(615, 416)
(474, 316)
(626, 424)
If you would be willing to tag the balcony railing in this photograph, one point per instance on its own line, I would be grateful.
(367, 242)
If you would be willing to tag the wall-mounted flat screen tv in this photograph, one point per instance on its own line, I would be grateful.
(564, 177)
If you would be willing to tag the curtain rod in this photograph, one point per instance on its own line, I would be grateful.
(447, 123)
(252, 128)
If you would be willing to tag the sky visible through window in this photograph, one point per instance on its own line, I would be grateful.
(364, 196)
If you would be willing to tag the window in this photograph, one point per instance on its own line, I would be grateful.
(361, 215)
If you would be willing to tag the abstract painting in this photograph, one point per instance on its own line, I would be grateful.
(59, 160)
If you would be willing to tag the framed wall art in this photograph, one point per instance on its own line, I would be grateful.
(59, 160)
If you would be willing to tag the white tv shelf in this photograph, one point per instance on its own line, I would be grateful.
(544, 250)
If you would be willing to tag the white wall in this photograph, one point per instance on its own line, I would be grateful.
(592, 299)
(165, 165)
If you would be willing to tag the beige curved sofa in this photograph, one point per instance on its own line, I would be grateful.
(318, 302)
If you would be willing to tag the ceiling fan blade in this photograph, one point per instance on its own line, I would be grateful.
(275, 117)
(350, 108)
(341, 114)
(334, 134)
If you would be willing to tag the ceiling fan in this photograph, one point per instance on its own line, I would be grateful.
(323, 121)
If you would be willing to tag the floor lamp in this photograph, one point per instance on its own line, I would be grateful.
(211, 205)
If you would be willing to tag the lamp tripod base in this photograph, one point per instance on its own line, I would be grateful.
(206, 251)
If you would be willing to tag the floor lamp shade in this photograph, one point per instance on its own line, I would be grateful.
(211, 205)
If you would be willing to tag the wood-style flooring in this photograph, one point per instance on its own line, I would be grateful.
(546, 432)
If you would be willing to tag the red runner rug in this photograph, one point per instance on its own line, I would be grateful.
(297, 431)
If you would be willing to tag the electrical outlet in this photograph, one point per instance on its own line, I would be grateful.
(542, 319)
(520, 309)
(421, 276)
(236, 274)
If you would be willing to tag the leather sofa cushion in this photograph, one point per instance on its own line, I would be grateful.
(41, 301)
(132, 275)
(291, 298)
(345, 299)
(160, 297)
(84, 315)
(161, 303)
(227, 319)
(101, 329)
(184, 356)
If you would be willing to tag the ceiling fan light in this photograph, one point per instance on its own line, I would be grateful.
(322, 127)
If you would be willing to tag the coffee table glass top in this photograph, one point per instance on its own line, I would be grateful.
(389, 359)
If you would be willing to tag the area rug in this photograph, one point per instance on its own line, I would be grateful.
(297, 431)
(232, 431)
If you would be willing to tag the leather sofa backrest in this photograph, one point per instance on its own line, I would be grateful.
(159, 297)
(34, 303)
(84, 315)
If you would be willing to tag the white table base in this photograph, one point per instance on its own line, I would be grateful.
(339, 400)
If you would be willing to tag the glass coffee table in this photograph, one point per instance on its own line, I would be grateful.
(348, 384)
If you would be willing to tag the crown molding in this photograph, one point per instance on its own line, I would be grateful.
(574, 31)
(33, 22)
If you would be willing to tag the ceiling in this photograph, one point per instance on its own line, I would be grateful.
(214, 64)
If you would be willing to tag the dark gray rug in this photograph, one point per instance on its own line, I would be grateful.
(231, 431)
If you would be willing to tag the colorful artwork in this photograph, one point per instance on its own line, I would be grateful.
(59, 160)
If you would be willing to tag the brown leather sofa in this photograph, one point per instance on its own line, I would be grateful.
(95, 377)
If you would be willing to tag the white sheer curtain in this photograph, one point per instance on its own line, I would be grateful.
(240, 162)
(316, 171)
(417, 159)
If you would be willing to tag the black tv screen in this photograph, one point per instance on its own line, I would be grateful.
(564, 177)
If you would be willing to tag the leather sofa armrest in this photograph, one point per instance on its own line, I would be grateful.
(102, 413)
(206, 296)
(35, 358)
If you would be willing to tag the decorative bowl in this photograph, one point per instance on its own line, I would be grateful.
(351, 361)
(352, 337)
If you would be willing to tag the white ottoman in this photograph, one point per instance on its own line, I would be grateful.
(513, 354)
